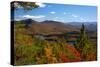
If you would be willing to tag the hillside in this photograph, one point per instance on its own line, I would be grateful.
(52, 46)
(90, 26)
(50, 27)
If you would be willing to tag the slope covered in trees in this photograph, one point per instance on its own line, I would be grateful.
(33, 44)
(35, 50)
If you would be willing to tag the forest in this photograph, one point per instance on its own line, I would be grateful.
(39, 48)
(50, 41)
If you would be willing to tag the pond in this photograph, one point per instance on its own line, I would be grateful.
(71, 42)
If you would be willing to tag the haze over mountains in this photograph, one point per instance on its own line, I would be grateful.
(90, 26)
(52, 27)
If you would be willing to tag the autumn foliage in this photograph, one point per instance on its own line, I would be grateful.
(33, 50)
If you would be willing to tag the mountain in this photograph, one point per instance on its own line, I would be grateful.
(90, 26)
(55, 27)
(25, 21)
(51, 27)
(50, 22)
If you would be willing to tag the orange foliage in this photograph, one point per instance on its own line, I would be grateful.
(92, 56)
(74, 52)
(49, 55)
(48, 52)
(64, 58)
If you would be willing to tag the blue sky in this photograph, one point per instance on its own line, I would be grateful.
(59, 12)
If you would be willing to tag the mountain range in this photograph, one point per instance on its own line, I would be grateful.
(52, 27)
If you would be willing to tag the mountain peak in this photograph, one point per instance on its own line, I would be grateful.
(51, 21)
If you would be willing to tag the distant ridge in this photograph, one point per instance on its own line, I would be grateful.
(52, 27)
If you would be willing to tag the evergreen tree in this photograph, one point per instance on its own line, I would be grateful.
(83, 45)
(24, 5)
(83, 40)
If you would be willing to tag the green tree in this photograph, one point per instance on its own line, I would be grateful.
(83, 40)
(88, 52)
(25, 5)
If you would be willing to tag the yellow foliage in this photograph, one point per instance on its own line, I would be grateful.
(49, 54)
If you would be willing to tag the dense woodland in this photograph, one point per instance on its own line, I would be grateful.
(51, 41)
(31, 48)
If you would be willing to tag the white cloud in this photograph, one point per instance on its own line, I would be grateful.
(59, 19)
(32, 17)
(65, 13)
(75, 16)
(83, 19)
(56, 17)
(79, 17)
(40, 4)
(52, 12)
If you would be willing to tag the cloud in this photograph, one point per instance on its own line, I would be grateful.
(75, 16)
(65, 13)
(41, 4)
(78, 17)
(56, 17)
(29, 17)
(32, 17)
(59, 19)
(52, 12)
(83, 19)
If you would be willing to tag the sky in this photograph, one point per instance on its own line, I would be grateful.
(58, 12)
